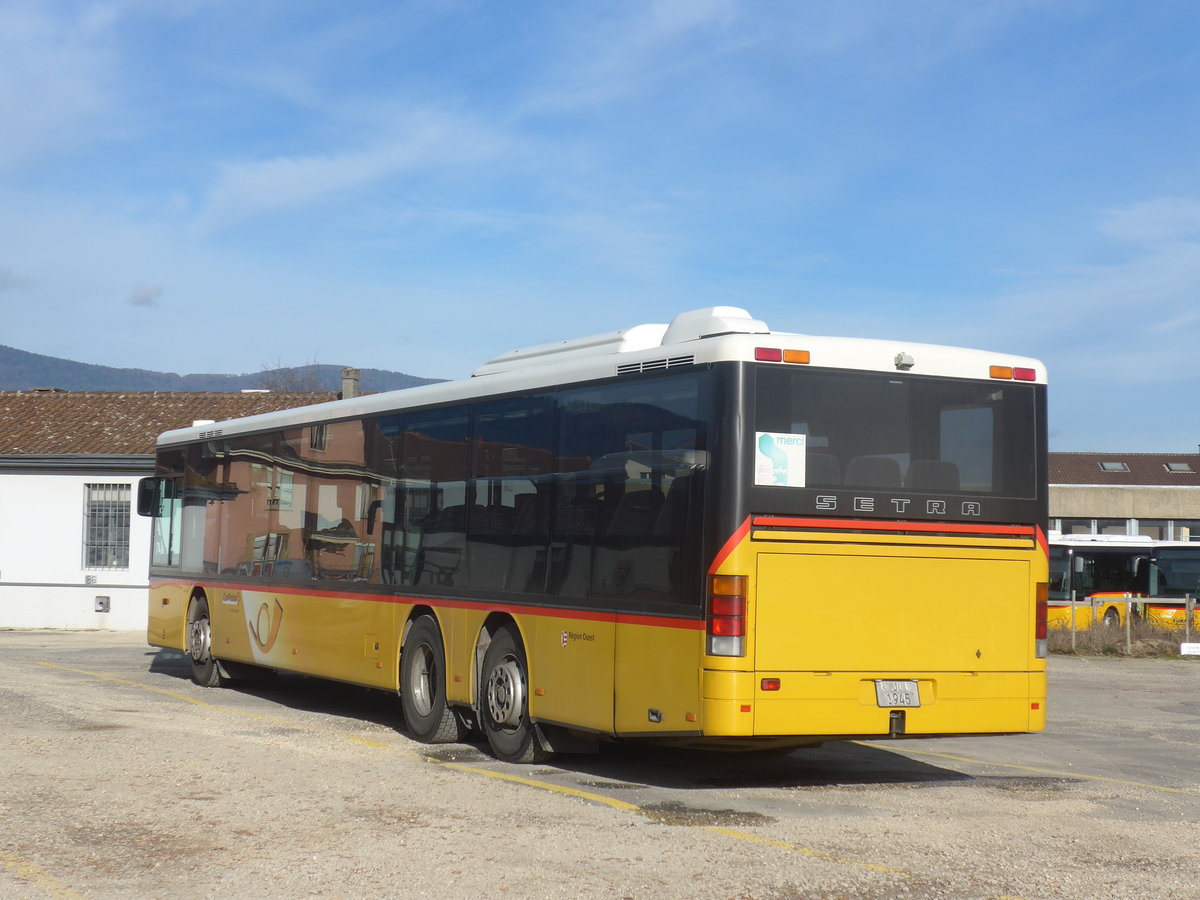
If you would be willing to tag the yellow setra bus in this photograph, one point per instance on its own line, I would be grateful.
(703, 532)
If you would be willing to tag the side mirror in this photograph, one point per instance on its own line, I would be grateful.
(149, 497)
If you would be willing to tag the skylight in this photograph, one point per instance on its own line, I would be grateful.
(1114, 467)
(1178, 467)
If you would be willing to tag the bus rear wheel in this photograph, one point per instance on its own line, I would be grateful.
(504, 708)
(199, 644)
(423, 686)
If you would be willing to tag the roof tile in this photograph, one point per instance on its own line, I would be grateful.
(103, 422)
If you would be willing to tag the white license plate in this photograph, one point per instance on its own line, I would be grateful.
(897, 693)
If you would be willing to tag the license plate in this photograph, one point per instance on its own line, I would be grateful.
(897, 693)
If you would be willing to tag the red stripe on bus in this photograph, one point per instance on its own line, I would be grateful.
(734, 539)
(623, 618)
(870, 525)
(1042, 543)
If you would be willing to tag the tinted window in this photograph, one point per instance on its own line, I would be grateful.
(894, 433)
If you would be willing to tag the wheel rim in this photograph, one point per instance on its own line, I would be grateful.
(421, 679)
(506, 693)
(199, 638)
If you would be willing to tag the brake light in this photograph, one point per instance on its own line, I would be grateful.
(1013, 373)
(727, 615)
(775, 354)
(1040, 618)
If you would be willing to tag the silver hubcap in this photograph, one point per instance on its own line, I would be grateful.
(420, 682)
(506, 693)
(199, 639)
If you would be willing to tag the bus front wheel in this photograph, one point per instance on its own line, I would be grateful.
(199, 643)
(504, 709)
(423, 685)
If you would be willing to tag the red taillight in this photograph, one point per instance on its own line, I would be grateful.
(768, 354)
(1040, 615)
(1025, 374)
(727, 615)
(1039, 620)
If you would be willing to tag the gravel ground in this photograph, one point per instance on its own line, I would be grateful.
(119, 778)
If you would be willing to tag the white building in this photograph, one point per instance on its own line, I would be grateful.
(73, 551)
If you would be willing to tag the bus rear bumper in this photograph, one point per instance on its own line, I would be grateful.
(844, 703)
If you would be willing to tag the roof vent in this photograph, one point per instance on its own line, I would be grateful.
(710, 322)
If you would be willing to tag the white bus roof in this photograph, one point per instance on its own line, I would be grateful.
(710, 335)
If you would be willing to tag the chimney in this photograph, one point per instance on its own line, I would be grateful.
(350, 383)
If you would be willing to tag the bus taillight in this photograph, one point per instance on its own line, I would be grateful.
(727, 615)
(1039, 618)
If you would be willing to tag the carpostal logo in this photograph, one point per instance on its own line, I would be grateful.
(901, 506)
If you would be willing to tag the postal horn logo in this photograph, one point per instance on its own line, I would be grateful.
(265, 628)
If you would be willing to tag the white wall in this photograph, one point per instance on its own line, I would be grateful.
(43, 583)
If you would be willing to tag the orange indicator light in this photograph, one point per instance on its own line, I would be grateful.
(1001, 371)
(796, 356)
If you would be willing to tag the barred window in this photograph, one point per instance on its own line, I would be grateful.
(106, 526)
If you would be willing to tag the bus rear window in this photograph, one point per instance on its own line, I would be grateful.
(894, 433)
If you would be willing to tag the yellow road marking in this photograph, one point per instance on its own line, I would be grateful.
(1034, 769)
(527, 782)
(23, 868)
(543, 785)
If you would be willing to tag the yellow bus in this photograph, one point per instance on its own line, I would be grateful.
(704, 532)
(1103, 578)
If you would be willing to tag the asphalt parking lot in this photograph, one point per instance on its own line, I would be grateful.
(121, 778)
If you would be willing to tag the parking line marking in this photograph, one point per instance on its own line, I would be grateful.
(1079, 776)
(47, 884)
(543, 785)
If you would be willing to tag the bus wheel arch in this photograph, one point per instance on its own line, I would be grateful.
(503, 697)
(422, 682)
(199, 641)
(1112, 617)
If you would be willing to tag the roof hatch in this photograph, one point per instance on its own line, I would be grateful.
(687, 326)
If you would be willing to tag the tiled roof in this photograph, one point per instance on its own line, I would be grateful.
(93, 422)
(1135, 469)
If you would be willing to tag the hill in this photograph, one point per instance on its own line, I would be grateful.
(23, 371)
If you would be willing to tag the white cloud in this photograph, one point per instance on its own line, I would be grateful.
(421, 142)
(54, 82)
(146, 295)
(1153, 222)
(10, 281)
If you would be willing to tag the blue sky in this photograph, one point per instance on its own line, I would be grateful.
(219, 186)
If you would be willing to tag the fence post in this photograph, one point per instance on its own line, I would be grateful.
(1073, 607)
(1128, 626)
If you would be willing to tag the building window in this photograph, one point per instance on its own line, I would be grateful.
(1185, 530)
(106, 526)
(318, 437)
(1178, 468)
(1076, 526)
(1157, 529)
(1114, 467)
(1112, 526)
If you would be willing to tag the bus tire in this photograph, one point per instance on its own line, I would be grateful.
(205, 671)
(423, 685)
(504, 706)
